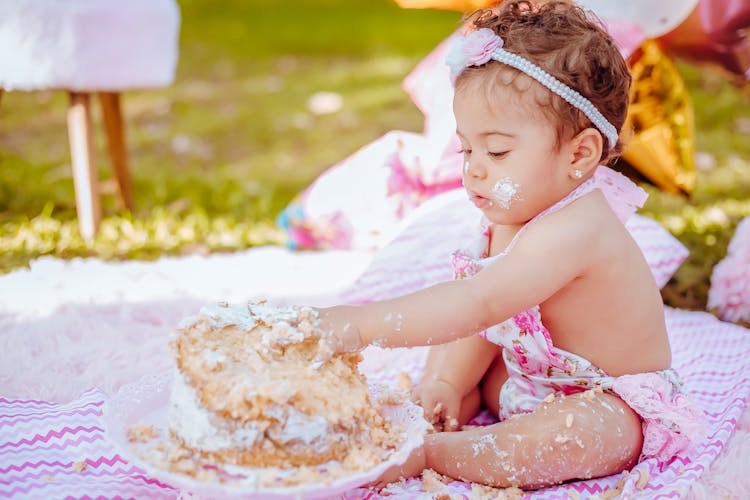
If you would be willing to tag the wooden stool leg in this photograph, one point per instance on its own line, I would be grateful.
(118, 154)
(85, 177)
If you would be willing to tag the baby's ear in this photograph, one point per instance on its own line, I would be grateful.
(585, 153)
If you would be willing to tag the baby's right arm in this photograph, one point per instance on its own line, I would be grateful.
(527, 276)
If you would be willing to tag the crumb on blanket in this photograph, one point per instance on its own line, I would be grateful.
(437, 484)
(615, 492)
(142, 433)
(80, 466)
(643, 477)
(432, 482)
(482, 492)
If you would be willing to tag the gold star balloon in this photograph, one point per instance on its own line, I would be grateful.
(660, 116)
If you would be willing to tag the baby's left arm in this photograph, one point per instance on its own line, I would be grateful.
(545, 258)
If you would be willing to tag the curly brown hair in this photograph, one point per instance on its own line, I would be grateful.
(567, 43)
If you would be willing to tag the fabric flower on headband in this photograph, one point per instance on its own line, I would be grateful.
(474, 49)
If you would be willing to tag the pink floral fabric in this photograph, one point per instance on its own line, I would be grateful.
(670, 419)
(536, 368)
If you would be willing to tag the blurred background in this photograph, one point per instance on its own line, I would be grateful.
(267, 95)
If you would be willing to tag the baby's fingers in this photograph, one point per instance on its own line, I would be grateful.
(450, 416)
(427, 403)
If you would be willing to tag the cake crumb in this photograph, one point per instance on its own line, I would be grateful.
(643, 477)
(451, 424)
(394, 487)
(610, 494)
(569, 421)
(404, 381)
(550, 398)
(142, 433)
(80, 466)
(438, 409)
(484, 492)
(573, 495)
(432, 482)
(47, 477)
(591, 393)
(615, 492)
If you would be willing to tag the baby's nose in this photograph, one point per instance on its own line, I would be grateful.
(475, 169)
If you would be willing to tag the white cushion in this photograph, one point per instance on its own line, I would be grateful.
(88, 45)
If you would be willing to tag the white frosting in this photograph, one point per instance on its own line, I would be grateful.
(273, 314)
(231, 315)
(298, 427)
(198, 428)
(246, 316)
(282, 333)
(505, 191)
(214, 359)
(286, 327)
(202, 430)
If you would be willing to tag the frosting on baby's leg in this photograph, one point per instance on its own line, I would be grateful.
(582, 436)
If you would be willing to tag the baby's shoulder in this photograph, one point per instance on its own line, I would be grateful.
(587, 224)
(587, 214)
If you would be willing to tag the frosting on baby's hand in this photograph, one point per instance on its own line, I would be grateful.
(337, 335)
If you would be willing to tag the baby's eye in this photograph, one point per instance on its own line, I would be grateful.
(498, 154)
(464, 151)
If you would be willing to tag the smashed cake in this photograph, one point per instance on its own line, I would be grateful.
(258, 386)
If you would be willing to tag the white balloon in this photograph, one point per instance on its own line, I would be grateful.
(654, 18)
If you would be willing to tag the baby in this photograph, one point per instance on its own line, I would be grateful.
(554, 322)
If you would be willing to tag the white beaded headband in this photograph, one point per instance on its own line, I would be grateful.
(483, 45)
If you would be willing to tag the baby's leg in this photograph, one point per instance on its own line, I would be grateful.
(581, 436)
(492, 382)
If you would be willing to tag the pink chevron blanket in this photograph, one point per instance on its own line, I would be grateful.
(58, 450)
(68, 327)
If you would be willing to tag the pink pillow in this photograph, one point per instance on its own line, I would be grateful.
(729, 294)
(419, 255)
(664, 253)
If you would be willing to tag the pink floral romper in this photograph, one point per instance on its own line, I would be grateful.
(536, 368)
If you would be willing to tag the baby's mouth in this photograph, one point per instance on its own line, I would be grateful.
(478, 200)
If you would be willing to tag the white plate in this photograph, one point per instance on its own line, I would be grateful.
(147, 401)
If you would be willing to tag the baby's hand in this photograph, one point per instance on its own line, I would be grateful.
(338, 331)
(441, 403)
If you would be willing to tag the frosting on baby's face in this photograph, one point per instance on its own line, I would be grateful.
(505, 191)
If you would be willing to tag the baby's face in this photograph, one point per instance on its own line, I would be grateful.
(512, 170)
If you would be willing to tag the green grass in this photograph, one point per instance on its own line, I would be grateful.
(218, 154)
